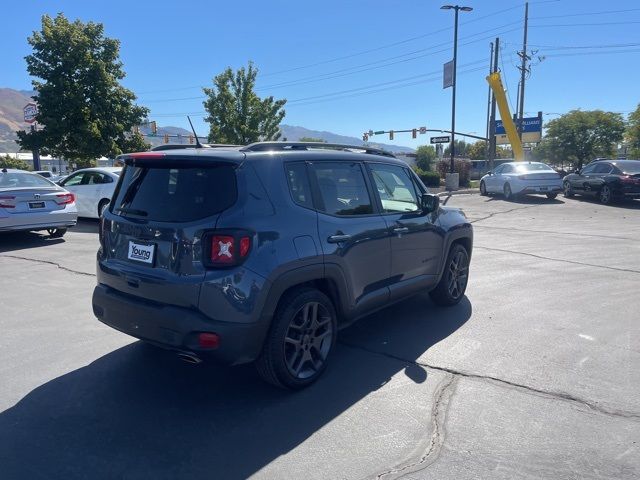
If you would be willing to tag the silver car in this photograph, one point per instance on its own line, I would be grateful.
(31, 202)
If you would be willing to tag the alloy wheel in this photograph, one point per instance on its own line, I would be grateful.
(605, 194)
(308, 340)
(458, 274)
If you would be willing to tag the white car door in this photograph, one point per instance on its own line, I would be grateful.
(105, 187)
(74, 183)
(492, 180)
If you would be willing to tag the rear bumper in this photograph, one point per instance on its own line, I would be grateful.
(176, 328)
(39, 221)
(542, 190)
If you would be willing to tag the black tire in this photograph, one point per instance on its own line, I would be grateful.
(605, 195)
(552, 196)
(104, 203)
(56, 232)
(568, 190)
(508, 194)
(483, 189)
(456, 275)
(297, 334)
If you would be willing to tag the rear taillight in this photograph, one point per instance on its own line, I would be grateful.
(103, 226)
(4, 201)
(630, 180)
(227, 248)
(65, 198)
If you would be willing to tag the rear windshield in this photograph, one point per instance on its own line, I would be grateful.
(22, 180)
(630, 168)
(533, 167)
(175, 194)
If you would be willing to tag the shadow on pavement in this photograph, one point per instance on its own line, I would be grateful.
(627, 203)
(87, 225)
(139, 412)
(527, 200)
(23, 240)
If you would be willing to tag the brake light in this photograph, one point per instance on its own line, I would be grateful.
(65, 198)
(629, 179)
(208, 340)
(3, 201)
(147, 155)
(227, 249)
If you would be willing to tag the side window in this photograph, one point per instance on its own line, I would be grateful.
(507, 169)
(342, 188)
(602, 168)
(395, 188)
(75, 179)
(299, 184)
(588, 169)
(498, 170)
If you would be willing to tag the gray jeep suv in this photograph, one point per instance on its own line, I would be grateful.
(262, 253)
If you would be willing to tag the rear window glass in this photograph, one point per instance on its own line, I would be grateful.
(534, 167)
(630, 168)
(175, 194)
(23, 180)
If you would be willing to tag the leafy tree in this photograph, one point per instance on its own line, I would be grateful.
(84, 112)
(7, 162)
(633, 132)
(581, 136)
(477, 150)
(311, 139)
(461, 149)
(425, 156)
(236, 114)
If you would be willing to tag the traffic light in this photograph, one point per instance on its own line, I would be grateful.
(414, 133)
(365, 137)
(154, 128)
(166, 138)
(190, 139)
(390, 134)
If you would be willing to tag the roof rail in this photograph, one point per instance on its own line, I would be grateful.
(183, 146)
(271, 146)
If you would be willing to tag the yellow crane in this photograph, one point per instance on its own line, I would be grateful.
(509, 127)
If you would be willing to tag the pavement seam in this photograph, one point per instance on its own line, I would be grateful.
(438, 414)
(627, 270)
(556, 395)
(48, 262)
(571, 234)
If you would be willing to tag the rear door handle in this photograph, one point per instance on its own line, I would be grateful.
(338, 238)
(401, 230)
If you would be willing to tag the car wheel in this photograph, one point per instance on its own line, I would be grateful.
(102, 206)
(551, 196)
(567, 190)
(300, 341)
(483, 189)
(453, 283)
(56, 232)
(508, 194)
(605, 195)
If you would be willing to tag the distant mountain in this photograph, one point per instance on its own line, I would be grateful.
(11, 119)
(294, 133)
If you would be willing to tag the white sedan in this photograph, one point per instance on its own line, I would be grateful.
(93, 188)
(31, 202)
(522, 178)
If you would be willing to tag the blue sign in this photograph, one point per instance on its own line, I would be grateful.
(529, 125)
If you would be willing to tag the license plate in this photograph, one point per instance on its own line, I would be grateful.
(141, 253)
(36, 204)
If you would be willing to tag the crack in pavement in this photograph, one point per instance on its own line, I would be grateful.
(438, 414)
(572, 234)
(617, 269)
(48, 262)
(500, 213)
(556, 395)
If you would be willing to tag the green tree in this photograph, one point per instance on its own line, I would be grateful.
(236, 114)
(425, 156)
(477, 150)
(84, 112)
(461, 149)
(633, 132)
(311, 139)
(7, 162)
(580, 136)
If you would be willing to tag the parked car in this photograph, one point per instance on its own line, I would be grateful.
(262, 253)
(606, 180)
(93, 188)
(31, 202)
(522, 178)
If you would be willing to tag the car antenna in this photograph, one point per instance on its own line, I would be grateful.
(198, 144)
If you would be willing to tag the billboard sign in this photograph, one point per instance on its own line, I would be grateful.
(531, 131)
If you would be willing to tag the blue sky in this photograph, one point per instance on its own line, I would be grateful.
(384, 56)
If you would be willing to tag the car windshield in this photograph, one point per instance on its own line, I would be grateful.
(629, 167)
(22, 180)
(533, 167)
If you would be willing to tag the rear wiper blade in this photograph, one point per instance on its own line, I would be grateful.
(132, 211)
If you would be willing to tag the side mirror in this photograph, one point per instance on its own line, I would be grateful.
(577, 171)
(429, 202)
(489, 173)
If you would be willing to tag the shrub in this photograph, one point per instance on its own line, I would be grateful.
(430, 179)
(8, 162)
(462, 167)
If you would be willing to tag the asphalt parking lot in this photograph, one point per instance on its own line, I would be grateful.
(536, 374)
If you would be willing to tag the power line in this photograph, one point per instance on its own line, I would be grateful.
(570, 47)
(584, 24)
(603, 12)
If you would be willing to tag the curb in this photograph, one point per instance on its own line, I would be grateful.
(458, 192)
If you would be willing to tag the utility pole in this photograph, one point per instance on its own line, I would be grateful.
(523, 70)
(489, 95)
(492, 116)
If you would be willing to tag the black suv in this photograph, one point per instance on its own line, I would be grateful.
(262, 253)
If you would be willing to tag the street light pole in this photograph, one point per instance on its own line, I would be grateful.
(457, 8)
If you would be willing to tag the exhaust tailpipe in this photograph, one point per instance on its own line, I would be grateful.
(189, 358)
